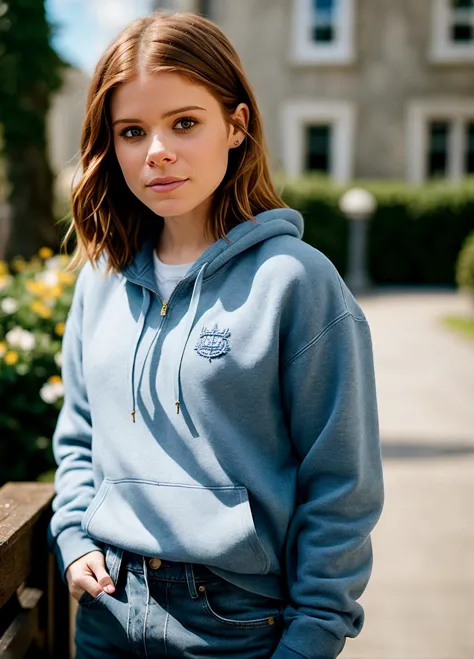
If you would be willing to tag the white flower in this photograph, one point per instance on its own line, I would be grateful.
(49, 277)
(51, 391)
(58, 358)
(9, 305)
(20, 338)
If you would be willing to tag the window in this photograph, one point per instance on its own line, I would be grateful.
(440, 139)
(324, 23)
(318, 148)
(453, 31)
(322, 31)
(469, 159)
(318, 137)
(438, 149)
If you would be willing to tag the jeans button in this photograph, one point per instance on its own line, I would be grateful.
(154, 563)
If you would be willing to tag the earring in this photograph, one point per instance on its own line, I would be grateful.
(236, 142)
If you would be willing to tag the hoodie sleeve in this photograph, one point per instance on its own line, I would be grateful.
(72, 448)
(330, 400)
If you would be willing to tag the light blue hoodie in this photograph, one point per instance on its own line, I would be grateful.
(235, 427)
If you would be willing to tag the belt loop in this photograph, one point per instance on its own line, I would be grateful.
(113, 561)
(191, 581)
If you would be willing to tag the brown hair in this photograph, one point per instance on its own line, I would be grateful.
(107, 217)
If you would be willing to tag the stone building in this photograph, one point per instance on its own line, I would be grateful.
(358, 88)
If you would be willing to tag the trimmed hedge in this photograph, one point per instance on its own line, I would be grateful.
(465, 265)
(414, 237)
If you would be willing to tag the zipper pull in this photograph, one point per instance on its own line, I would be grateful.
(164, 308)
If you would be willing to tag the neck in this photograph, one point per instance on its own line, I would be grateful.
(182, 239)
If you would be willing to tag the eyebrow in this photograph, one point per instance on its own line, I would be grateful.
(166, 114)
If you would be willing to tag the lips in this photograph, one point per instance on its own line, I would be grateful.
(166, 184)
(165, 180)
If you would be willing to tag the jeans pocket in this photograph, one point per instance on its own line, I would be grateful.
(236, 607)
(86, 598)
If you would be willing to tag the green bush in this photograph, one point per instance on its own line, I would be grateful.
(414, 236)
(35, 297)
(465, 265)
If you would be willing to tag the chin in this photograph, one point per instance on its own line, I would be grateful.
(170, 207)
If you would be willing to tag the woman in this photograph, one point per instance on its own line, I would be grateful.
(219, 460)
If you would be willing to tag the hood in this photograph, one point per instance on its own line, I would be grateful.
(275, 222)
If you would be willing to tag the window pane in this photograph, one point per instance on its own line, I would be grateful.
(462, 32)
(318, 148)
(470, 148)
(462, 4)
(324, 20)
(438, 148)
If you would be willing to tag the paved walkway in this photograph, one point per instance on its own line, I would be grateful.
(420, 601)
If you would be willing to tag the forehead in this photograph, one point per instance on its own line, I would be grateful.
(160, 92)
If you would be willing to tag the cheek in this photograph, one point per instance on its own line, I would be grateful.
(130, 163)
(213, 159)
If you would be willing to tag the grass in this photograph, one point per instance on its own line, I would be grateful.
(462, 325)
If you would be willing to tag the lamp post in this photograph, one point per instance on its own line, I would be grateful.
(358, 205)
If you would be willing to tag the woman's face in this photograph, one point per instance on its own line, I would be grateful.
(166, 126)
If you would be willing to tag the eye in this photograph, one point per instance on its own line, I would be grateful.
(185, 122)
(130, 129)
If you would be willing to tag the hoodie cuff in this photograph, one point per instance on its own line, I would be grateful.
(71, 544)
(311, 644)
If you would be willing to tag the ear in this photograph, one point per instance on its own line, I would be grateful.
(241, 115)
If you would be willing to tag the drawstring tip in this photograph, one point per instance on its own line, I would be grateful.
(177, 407)
(133, 415)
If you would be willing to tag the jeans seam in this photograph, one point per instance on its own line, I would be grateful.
(168, 585)
(147, 591)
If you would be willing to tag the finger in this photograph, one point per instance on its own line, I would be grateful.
(97, 565)
(85, 583)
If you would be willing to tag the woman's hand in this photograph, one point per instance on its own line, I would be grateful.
(89, 573)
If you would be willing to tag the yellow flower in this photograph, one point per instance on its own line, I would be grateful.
(3, 268)
(63, 258)
(10, 358)
(54, 292)
(5, 280)
(66, 278)
(55, 379)
(19, 264)
(59, 328)
(35, 262)
(3, 348)
(35, 287)
(40, 309)
(45, 253)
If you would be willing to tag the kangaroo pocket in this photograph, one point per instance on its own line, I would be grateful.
(209, 525)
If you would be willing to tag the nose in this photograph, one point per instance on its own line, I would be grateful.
(159, 153)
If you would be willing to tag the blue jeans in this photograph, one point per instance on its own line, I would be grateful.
(174, 610)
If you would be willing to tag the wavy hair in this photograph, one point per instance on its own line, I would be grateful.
(106, 216)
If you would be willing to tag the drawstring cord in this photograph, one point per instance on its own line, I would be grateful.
(187, 327)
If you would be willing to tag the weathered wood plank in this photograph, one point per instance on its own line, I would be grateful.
(21, 506)
(23, 630)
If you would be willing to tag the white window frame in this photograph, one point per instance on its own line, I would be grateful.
(296, 115)
(443, 49)
(419, 113)
(304, 50)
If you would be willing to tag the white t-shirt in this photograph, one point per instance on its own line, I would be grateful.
(168, 276)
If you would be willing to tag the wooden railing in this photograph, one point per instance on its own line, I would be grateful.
(34, 601)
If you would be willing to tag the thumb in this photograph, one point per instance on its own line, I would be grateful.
(97, 566)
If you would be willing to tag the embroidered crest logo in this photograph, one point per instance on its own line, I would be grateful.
(213, 343)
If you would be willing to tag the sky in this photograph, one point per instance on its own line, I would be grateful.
(82, 29)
